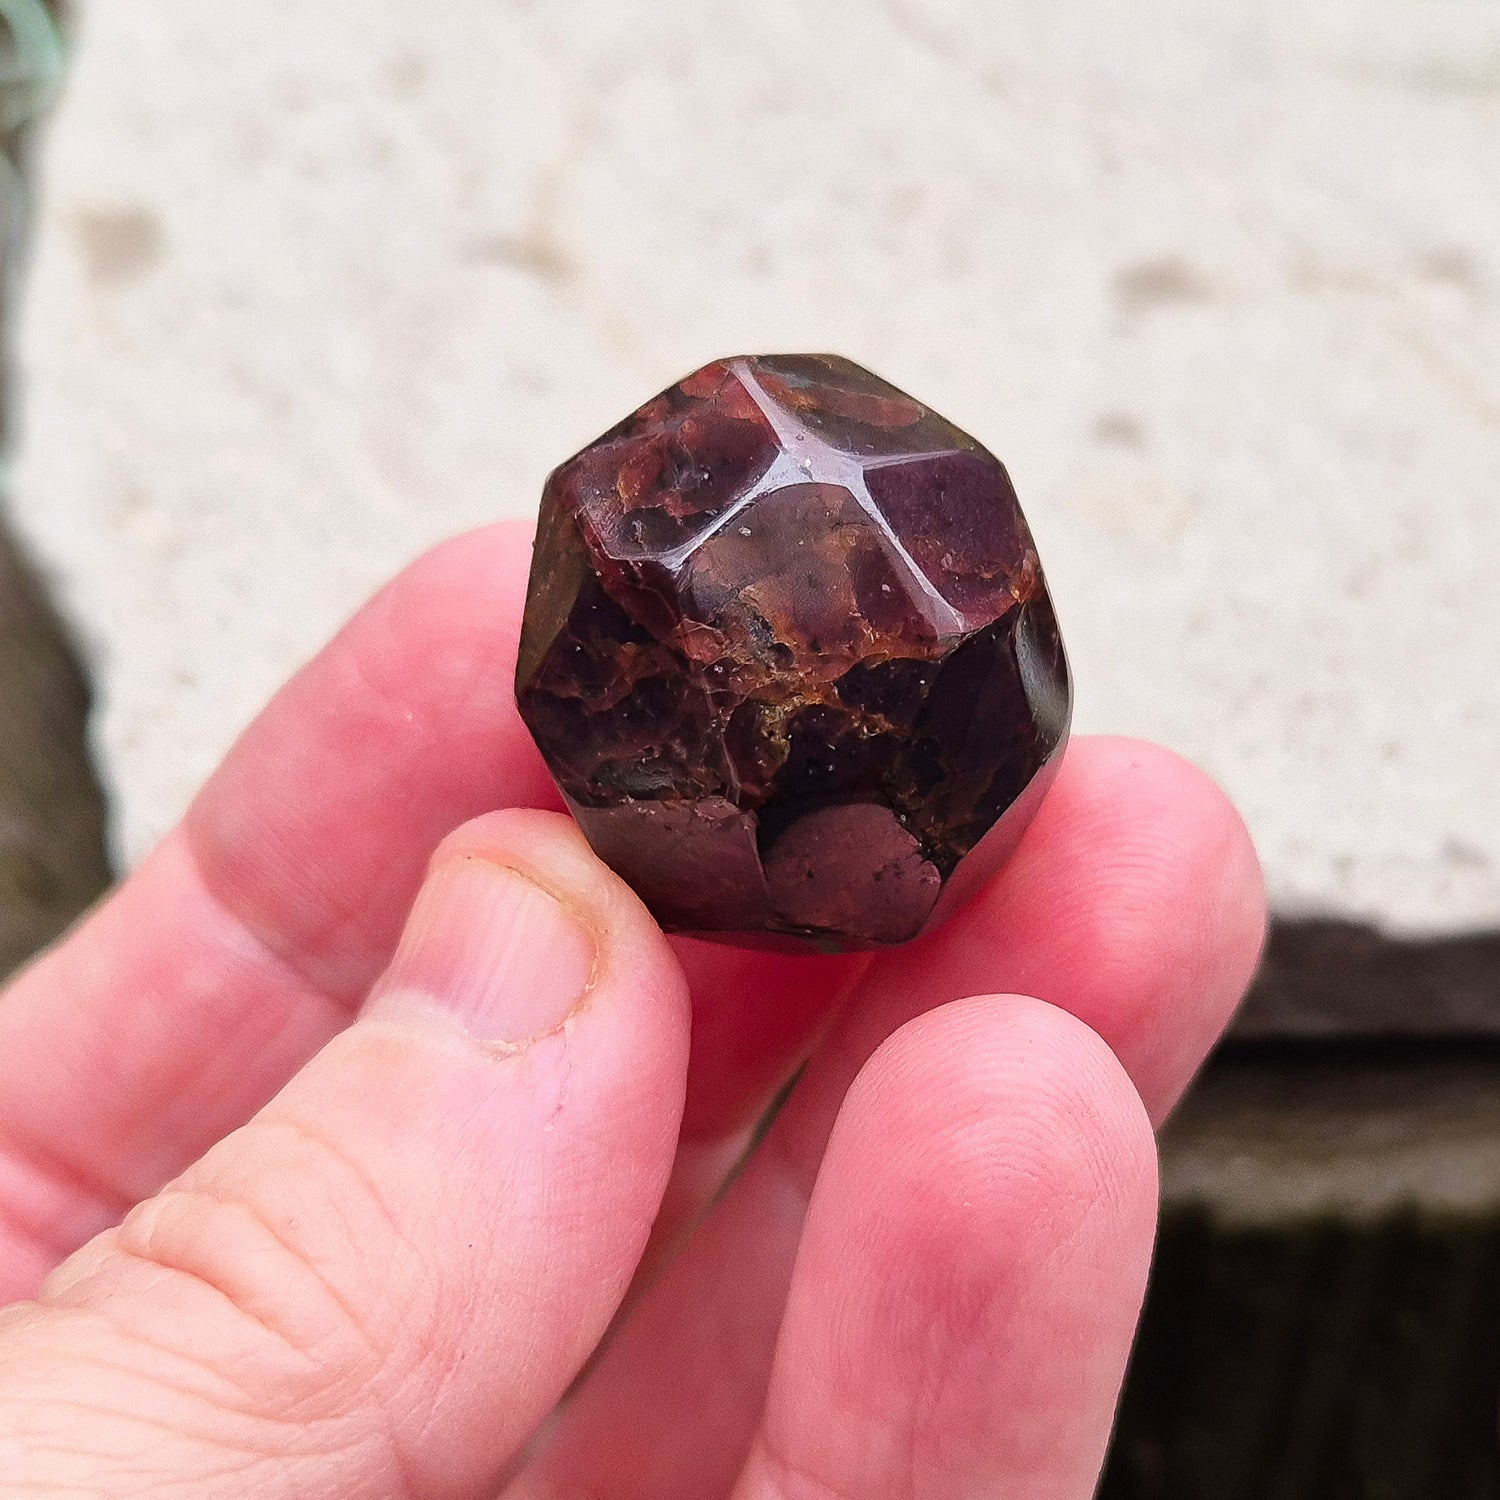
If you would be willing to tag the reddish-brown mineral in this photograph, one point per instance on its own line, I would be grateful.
(789, 653)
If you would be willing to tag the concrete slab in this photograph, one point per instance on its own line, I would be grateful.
(317, 286)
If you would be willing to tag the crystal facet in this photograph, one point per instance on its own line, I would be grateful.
(790, 655)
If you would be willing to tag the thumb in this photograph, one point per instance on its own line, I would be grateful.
(382, 1283)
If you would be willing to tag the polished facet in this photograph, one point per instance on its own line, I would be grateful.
(790, 655)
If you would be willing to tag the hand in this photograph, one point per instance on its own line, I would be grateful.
(362, 1210)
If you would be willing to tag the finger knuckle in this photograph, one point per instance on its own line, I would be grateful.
(274, 1273)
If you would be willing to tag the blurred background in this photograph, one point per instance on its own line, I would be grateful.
(310, 288)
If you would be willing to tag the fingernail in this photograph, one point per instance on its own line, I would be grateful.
(491, 948)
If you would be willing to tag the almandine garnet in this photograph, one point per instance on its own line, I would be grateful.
(790, 655)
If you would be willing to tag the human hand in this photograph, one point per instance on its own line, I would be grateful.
(359, 1220)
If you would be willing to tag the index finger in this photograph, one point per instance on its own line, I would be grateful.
(249, 936)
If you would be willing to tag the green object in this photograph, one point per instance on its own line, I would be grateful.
(31, 68)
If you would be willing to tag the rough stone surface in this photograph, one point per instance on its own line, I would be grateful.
(319, 285)
(789, 653)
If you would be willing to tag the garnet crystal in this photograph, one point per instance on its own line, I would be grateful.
(789, 653)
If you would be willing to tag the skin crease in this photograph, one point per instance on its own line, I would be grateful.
(391, 1246)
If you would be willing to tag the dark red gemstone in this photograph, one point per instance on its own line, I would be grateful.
(790, 655)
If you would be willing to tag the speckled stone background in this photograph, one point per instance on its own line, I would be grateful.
(316, 285)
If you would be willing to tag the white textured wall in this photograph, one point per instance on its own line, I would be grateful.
(318, 284)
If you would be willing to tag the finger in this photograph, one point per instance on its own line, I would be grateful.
(1072, 915)
(383, 1282)
(246, 940)
(971, 1270)
(756, 1016)
(1134, 902)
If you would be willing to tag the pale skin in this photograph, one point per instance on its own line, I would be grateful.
(293, 1205)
